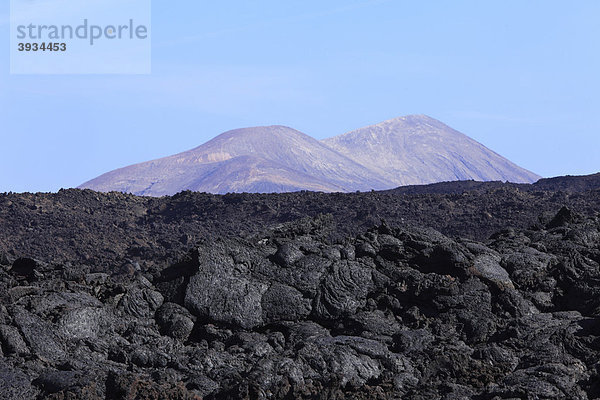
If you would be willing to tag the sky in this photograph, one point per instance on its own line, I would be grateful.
(520, 77)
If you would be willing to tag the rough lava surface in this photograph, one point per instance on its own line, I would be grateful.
(304, 308)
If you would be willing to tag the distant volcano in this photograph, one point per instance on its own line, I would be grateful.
(418, 149)
(402, 151)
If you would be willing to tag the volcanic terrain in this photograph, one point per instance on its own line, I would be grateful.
(478, 290)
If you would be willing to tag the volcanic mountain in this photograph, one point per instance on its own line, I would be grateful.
(402, 151)
(262, 159)
(418, 149)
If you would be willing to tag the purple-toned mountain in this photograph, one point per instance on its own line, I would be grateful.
(402, 151)
(262, 159)
(418, 149)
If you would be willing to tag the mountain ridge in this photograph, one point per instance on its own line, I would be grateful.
(291, 154)
(400, 150)
(278, 158)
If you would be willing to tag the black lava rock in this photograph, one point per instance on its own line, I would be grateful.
(295, 310)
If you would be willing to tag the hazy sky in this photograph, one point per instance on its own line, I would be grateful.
(521, 77)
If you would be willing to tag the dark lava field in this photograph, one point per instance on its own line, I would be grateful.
(460, 290)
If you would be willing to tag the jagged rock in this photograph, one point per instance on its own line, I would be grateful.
(149, 357)
(55, 381)
(365, 249)
(96, 279)
(343, 290)
(202, 385)
(40, 335)
(562, 218)
(129, 386)
(85, 323)
(14, 384)
(529, 269)
(391, 248)
(287, 254)
(376, 322)
(221, 293)
(305, 276)
(48, 302)
(284, 303)
(419, 315)
(18, 292)
(4, 260)
(349, 359)
(175, 321)
(141, 301)
(487, 266)
(348, 253)
(11, 340)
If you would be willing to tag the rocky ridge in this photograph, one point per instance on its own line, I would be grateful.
(392, 312)
(104, 230)
(303, 295)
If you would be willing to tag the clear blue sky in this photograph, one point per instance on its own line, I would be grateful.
(520, 77)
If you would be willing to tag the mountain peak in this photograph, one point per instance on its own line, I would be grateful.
(258, 159)
(412, 149)
(414, 117)
(410, 120)
(404, 125)
(418, 149)
(258, 131)
(263, 129)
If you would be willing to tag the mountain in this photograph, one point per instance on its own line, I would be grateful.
(418, 149)
(260, 159)
(404, 151)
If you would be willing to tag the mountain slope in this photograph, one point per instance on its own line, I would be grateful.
(417, 149)
(261, 159)
(403, 151)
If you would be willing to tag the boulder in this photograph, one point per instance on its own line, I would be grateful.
(225, 297)
(41, 335)
(284, 303)
(141, 300)
(175, 321)
(12, 341)
(287, 254)
(487, 266)
(51, 381)
(85, 323)
(343, 290)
